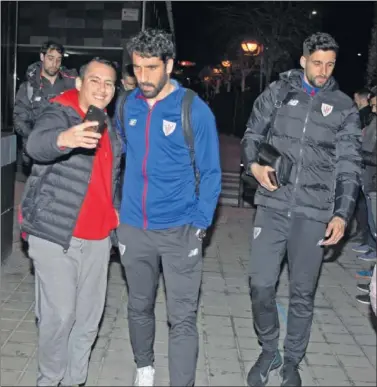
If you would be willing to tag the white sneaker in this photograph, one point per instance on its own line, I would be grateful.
(145, 376)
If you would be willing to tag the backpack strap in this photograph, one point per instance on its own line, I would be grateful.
(188, 133)
(120, 112)
(282, 93)
(29, 91)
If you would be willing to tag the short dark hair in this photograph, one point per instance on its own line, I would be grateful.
(152, 43)
(363, 93)
(128, 71)
(51, 45)
(320, 41)
(106, 62)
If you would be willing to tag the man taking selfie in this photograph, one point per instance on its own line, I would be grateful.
(68, 212)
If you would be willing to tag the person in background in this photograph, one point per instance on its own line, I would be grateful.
(361, 98)
(45, 79)
(128, 80)
(369, 181)
(366, 242)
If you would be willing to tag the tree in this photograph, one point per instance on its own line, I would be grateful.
(372, 56)
(280, 26)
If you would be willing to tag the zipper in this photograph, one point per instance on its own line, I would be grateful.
(144, 168)
(300, 157)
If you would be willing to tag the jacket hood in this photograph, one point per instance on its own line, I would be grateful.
(33, 72)
(69, 98)
(295, 76)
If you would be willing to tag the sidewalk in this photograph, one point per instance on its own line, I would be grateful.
(342, 349)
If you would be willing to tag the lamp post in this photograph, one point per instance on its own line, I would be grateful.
(227, 64)
(254, 48)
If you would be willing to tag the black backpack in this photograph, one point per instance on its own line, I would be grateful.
(186, 125)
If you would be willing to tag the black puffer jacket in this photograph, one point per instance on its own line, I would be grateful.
(58, 183)
(322, 136)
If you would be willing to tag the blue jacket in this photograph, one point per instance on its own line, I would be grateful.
(159, 182)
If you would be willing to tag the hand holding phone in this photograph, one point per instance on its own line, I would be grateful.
(98, 115)
(262, 175)
(79, 137)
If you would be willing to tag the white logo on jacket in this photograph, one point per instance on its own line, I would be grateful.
(133, 121)
(326, 109)
(257, 231)
(293, 102)
(168, 127)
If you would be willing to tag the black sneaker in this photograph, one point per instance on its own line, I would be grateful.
(364, 299)
(289, 373)
(363, 288)
(259, 372)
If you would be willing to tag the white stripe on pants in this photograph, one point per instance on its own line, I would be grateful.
(71, 291)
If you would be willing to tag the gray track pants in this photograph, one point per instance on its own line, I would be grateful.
(275, 235)
(180, 252)
(70, 297)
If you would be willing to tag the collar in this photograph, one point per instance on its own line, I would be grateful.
(309, 89)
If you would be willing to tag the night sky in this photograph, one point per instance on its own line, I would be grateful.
(349, 22)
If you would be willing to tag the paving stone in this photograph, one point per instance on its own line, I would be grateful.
(13, 363)
(321, 359)
(354, 361)
(362, 374)
(28, 379)
(227, 379)
(18, 350)
(10, 378)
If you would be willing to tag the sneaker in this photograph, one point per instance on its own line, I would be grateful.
(145, 376)
(259, 372)
(363, 287)
(369, 256)
(364, 274)
(289, 373)
(361, 249)
(363, 299)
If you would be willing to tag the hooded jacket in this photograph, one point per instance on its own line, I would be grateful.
(26, 109)
(322, 136)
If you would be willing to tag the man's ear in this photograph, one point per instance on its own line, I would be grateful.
(303, 62)
(78, 83)
(41, 57)
(169, 66)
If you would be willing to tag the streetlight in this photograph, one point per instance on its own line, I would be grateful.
(314, 12)
(226, 63)
(251, 48)
(254, 48)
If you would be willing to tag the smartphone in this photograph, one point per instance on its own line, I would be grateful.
(96, 114)
(273, 178)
